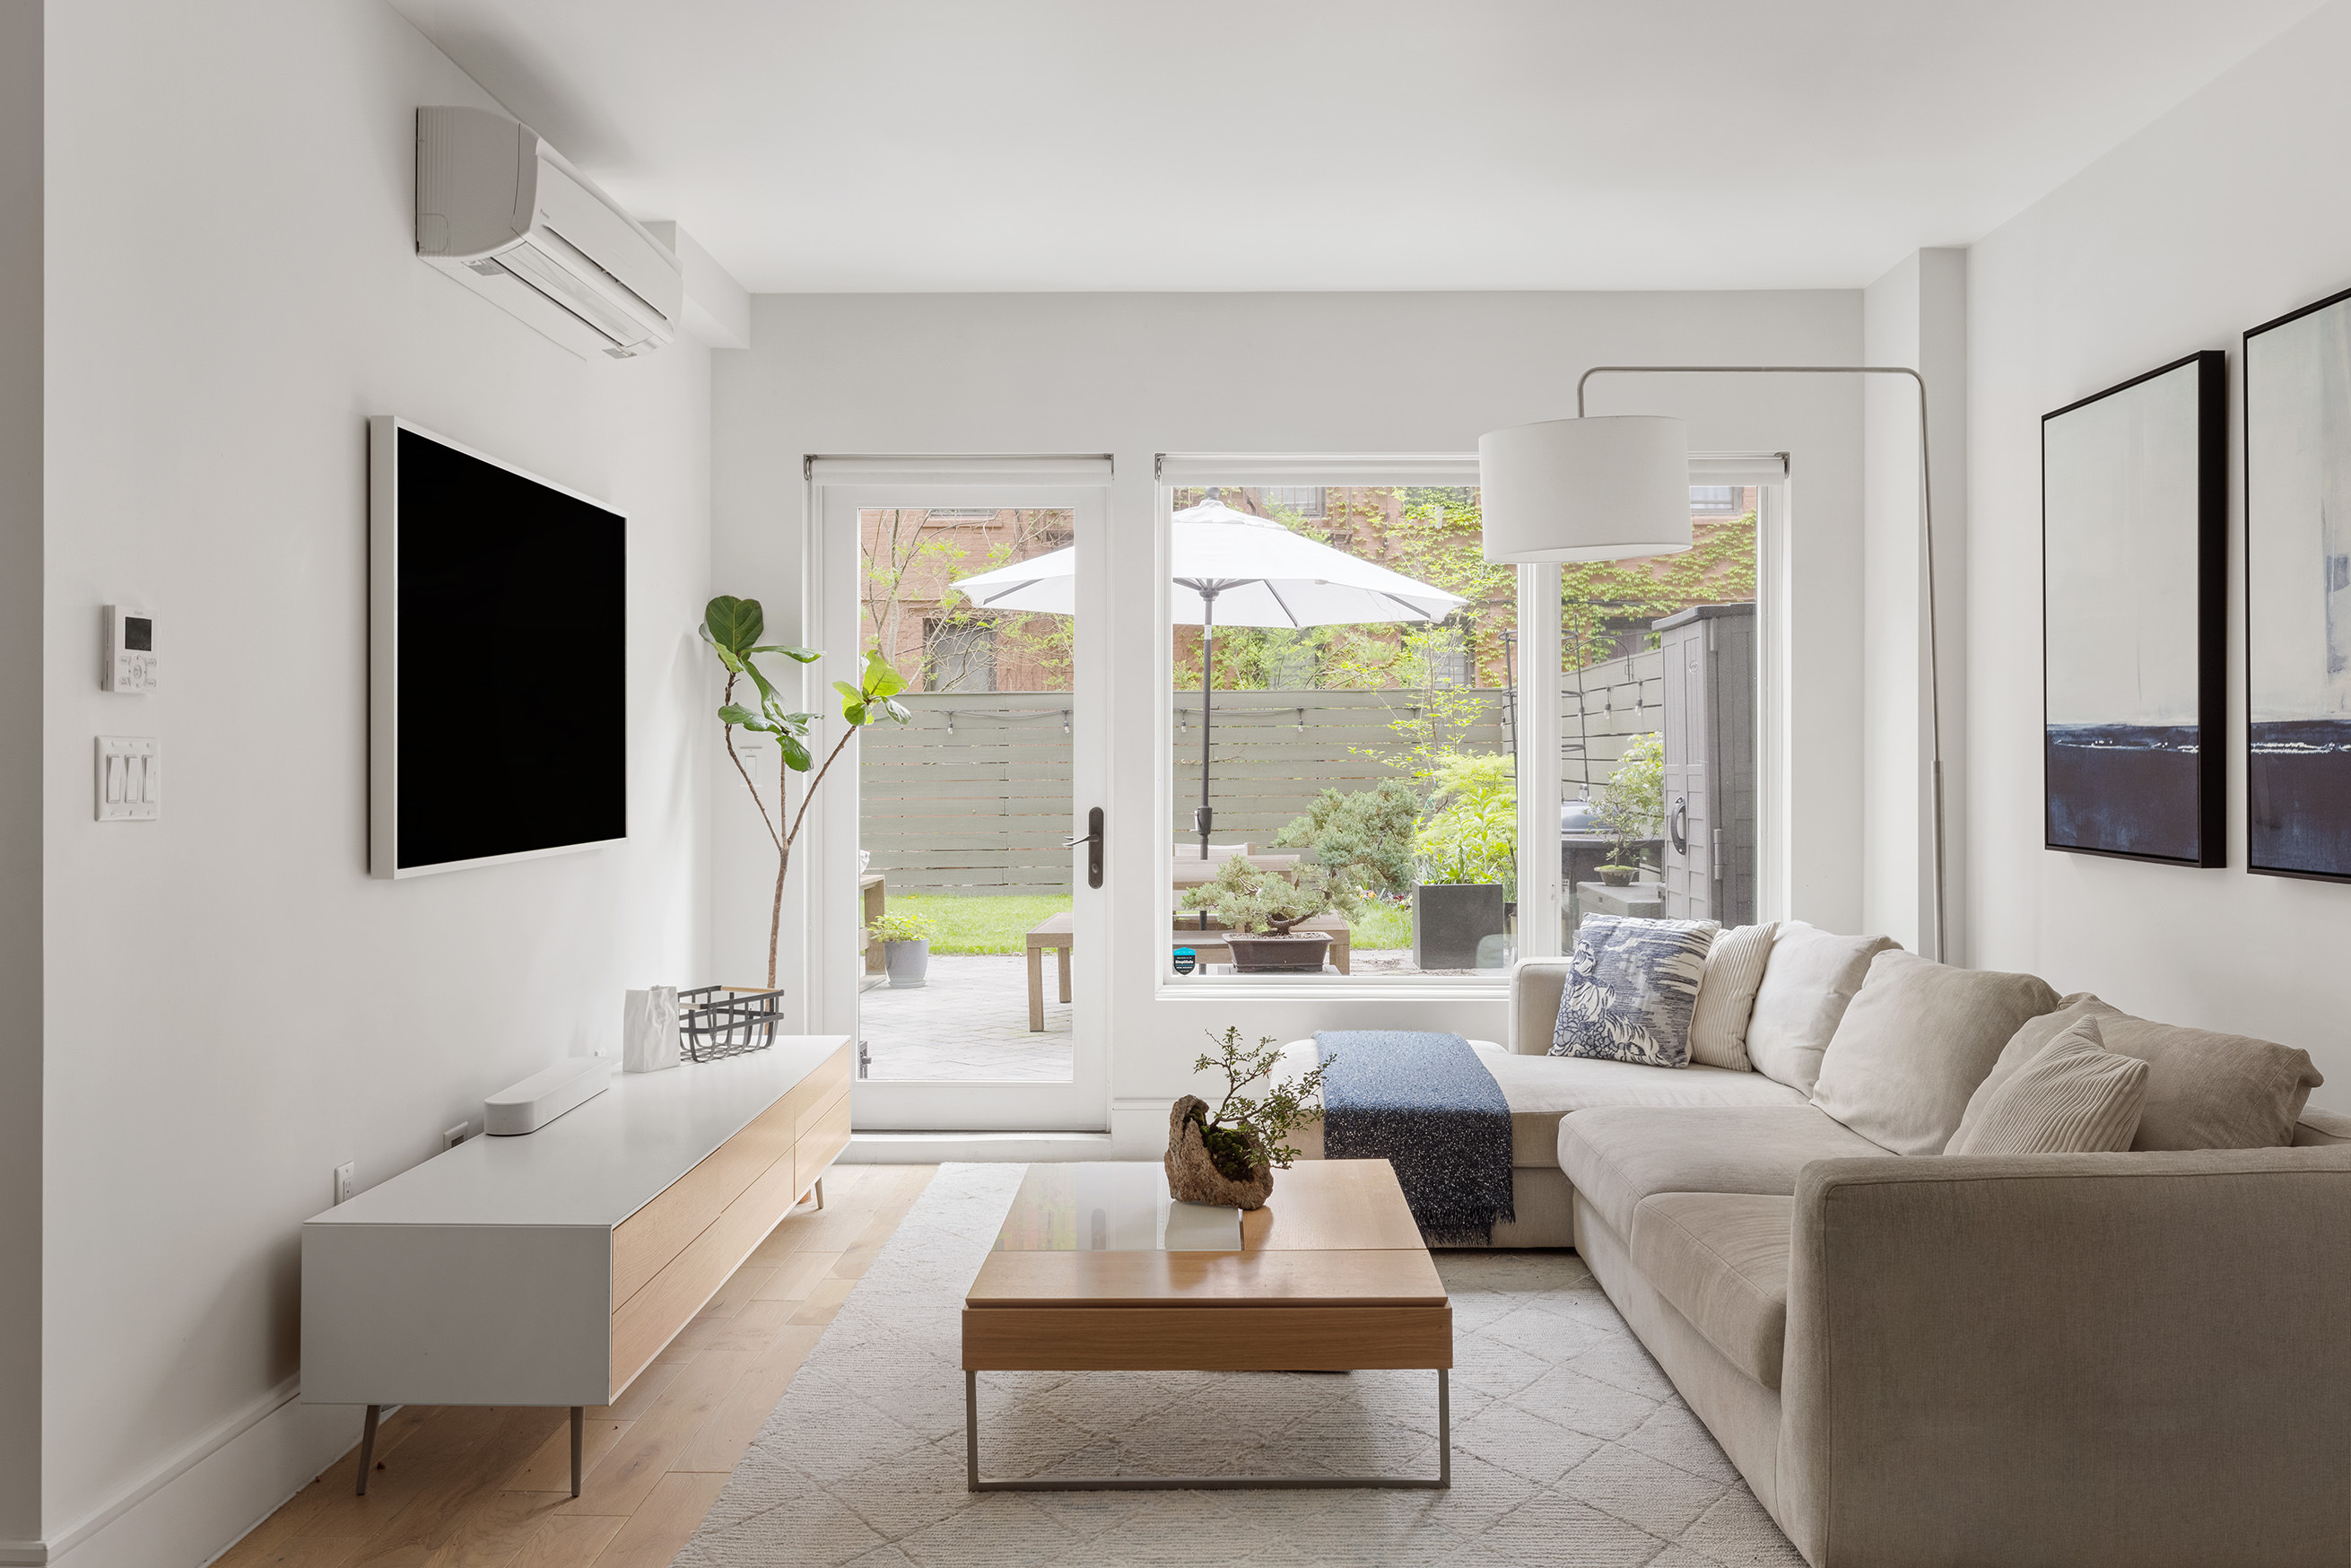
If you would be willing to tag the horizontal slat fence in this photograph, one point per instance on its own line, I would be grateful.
(973, 796)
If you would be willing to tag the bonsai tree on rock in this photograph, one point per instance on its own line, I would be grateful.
(733, 628)
(1229, 1155)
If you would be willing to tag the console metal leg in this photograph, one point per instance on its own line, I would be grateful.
(819, 1192)
(1441, 1481)
(579, 1443)
(367, 1446)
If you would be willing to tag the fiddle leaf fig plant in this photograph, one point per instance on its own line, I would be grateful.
(733, 627)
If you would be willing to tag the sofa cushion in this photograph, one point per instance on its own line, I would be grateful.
(1618, 1155)
(1630, 988)
(1725, 996)
(1542, 1089)
(2204, 1089)
(1917, 1040)
(1811, 978)
(1721, 1258)
(2075, 1097)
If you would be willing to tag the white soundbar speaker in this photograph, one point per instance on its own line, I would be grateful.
(527, 1106)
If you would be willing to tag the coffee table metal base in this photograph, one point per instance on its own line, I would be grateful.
(1441, 1481)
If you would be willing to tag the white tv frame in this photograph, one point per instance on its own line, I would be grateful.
(383, 647)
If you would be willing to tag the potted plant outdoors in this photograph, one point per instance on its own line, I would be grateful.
(1229, 1156)
(733, 628)
(1363, 838)
(1468, 849)
(1631, 808)
(1258, 907)
(905, 948)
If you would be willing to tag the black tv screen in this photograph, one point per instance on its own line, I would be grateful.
(498, 641)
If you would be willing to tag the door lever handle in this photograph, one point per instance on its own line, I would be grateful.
(1092, 838)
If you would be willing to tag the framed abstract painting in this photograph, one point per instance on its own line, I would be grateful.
(2134, 547)
(2298, 592)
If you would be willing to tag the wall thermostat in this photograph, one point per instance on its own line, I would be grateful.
(130, 650)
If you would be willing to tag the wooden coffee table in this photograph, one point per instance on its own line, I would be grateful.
(1330, 1276)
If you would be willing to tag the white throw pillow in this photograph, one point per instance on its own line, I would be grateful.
(2075, 1097)
(1630, 988)
(1812, 976)
(1726, 996)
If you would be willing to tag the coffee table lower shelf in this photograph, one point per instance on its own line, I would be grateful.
(1441, 1481)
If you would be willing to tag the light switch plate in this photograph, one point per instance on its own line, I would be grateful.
(129, 779)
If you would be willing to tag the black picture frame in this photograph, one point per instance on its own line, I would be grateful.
(2297, 782)
(2126, 773)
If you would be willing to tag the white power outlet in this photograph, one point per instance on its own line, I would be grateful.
(452, 1137)
(346, 1181)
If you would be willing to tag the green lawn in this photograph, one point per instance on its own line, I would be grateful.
(969, 924)
(982, 924)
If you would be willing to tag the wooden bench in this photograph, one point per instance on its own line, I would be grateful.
(1058, 932)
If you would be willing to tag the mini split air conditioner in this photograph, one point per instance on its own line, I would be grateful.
(503, 213)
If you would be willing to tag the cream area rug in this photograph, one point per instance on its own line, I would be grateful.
(1570, 1448)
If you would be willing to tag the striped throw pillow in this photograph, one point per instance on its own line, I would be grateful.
(2075, 1097)
(1726, 996)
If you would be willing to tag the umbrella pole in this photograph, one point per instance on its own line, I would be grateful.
(1207, 814)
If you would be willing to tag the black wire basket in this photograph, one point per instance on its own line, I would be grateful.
(718, 1022)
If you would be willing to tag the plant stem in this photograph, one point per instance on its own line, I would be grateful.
(748, 782)
(784, 851)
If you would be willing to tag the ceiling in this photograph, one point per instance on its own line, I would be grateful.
(865, 145)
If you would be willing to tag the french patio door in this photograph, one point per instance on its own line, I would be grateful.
(956, 824)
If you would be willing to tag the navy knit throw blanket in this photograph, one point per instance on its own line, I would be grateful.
(1424, 1104)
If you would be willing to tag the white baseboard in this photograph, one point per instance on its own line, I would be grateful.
(931, 1148)
(205, 1497)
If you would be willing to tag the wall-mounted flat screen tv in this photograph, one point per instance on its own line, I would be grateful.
(497, 632)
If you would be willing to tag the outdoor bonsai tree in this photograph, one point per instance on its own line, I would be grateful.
(1363, 838)
(1471, 834)
(733, 628)
(1245, 1135)
(1253, 901)
(1633, 806)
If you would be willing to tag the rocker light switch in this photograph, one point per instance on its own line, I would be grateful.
(129, 779)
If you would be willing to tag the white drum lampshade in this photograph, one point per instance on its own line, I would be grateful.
(1606, 488)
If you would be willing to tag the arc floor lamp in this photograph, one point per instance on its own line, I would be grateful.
(1618, 487)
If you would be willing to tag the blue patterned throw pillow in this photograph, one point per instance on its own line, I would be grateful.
(1630, 989)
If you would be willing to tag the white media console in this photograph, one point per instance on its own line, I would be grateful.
(551, 1269)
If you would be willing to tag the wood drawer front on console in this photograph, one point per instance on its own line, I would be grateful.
(648, 1321)
(812, 1096)
(822, 1138)
(645, 1241)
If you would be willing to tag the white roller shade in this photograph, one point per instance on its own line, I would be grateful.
(1259, 468)
(1026, 471)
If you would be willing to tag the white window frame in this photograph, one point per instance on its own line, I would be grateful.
(1538, 724)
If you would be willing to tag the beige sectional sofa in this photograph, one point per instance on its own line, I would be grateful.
(2130, 1359)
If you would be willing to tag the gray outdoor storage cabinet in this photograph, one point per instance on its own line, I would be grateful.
(1710, 730)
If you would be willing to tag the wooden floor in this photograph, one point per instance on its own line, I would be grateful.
(477, 1486)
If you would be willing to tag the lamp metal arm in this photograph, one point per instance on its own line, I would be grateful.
(1926, 538)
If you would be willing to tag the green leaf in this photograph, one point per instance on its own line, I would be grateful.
(881, 680)
(896, 712)
(767, 699)
(796, 756)
(735, 713)
(734, 624)
(803, 655)
(855, 712)
(848, 694)
(725, 655)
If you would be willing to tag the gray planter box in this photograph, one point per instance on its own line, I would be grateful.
(1450, 919)
(907, 962)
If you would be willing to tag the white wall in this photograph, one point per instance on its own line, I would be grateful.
(1136, 375)
(233, 1007)
(20, 771)
(2216, 218)
(1915, 316)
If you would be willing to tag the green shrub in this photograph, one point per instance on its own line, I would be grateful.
(1362, 838)
(1472, 831)
(1248, 898)
(901, 925)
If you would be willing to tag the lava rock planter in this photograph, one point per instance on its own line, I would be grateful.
(1297, 953)
(1194, 1175)
(1450, 919)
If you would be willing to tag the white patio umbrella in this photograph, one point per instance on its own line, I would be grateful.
(1240, 570)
